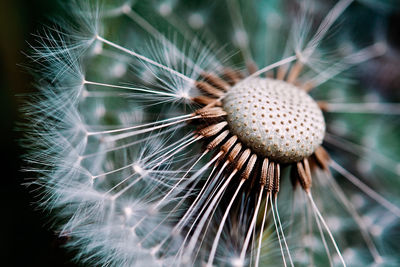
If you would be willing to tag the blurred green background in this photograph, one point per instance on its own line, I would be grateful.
(26, 238)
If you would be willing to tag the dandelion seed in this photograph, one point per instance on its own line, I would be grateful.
(201, 177)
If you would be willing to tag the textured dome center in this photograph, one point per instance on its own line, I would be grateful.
(275, 119)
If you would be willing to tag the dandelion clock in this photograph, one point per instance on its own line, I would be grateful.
(216, 133)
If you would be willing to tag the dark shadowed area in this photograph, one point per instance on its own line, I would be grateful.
(26, 238)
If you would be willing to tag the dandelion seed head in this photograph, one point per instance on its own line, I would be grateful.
(133, 181)
(270, 116)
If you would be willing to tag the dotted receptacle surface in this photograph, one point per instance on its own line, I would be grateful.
(275, 119)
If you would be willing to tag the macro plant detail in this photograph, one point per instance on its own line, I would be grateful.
(162, 150)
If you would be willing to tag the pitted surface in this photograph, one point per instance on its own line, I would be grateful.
(275, 119)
